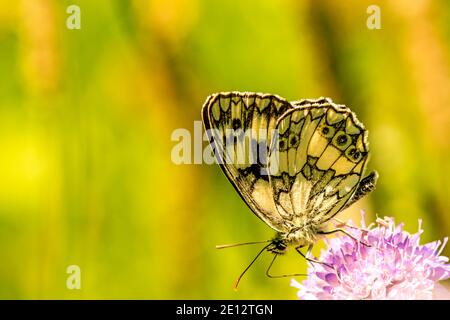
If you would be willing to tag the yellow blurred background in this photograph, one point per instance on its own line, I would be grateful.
(86, 118)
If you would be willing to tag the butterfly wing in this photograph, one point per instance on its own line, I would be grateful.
(239, 127)
(317, 167)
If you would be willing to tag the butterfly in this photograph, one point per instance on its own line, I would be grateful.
(295, 164)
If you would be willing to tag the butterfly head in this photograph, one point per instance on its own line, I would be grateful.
(278, 245)
(297, 237)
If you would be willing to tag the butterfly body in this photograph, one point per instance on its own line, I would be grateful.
(295, 164)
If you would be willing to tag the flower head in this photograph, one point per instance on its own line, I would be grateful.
(381, 262)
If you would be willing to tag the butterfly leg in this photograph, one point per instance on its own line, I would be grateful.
(341, 224)
(344, 232)
(282, 275)
(308, 256)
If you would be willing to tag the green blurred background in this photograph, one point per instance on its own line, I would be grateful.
(86, 118)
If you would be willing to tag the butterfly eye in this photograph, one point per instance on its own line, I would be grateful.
(353, 154)
(327, 131)
(342, 140)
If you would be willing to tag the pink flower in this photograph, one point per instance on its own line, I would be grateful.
(392, 265)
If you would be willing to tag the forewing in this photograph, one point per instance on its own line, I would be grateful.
(239, 127)
(317, 161)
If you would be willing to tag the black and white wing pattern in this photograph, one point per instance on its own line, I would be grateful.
(317, 162)
(294, 164)
(240, 126)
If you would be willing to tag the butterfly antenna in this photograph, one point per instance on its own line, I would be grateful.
(248, 267)
(224, 246)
